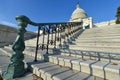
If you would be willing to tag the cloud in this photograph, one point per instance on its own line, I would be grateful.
(8, 23)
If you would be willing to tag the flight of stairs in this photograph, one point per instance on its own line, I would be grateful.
(93, 55)
(103, 39)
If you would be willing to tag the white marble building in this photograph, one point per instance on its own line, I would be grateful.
(81, 16)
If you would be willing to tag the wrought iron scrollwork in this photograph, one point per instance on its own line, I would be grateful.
(42, 46)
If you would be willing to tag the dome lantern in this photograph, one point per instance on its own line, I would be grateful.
(78, 5)
(78, 14)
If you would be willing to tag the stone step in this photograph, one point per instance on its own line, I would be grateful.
(114, 45)
(96, 44)
(99, 37)
(2, 44)
(8, 52)
(116, 31)
(33, 41)
(98, 41)
(55, 72)
(50, 71)
(95, 49)
(105, 28)
(105, 70)
(29, 50)
(102, 32)
(28, 76)
(4, 61)
(110, 26)
(102, 35)
(92, 55)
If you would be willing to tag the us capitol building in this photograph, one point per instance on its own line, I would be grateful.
(81, 16)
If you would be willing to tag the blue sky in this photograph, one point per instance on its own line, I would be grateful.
(55, 10)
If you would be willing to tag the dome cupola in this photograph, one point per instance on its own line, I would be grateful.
(78, 14)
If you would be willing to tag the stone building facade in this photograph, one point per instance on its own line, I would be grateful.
(8, 35)
(81, 16)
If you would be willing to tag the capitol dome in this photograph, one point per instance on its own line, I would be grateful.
(78, 14)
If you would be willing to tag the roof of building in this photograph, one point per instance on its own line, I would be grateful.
(78, 14)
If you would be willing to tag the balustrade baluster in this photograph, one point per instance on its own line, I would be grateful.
(51, 41)
(37, 44)
(42, 46)
(55, 37)
(48, 38)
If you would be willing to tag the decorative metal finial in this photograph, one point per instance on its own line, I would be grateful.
(78, 5)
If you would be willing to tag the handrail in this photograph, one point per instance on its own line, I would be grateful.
(28, 21)
(56, 26)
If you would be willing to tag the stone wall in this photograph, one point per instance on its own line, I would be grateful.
(8, 35)
(106, 23)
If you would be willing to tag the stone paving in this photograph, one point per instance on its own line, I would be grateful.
(4, 61)
(28, 76)
(87, 66)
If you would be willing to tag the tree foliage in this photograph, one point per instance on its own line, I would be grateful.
(118, 15)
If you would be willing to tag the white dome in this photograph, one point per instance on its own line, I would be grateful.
(78, 14)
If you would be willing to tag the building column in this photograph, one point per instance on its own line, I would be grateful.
(91, 22)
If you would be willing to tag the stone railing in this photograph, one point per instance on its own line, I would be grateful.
(106, 23)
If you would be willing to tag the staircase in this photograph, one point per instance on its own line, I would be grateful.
(93, 55)
(101, 39)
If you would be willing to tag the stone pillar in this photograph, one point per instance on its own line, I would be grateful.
(91, 22)
(83, 27)
(83, 22)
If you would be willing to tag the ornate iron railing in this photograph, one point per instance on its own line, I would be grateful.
(57, 30)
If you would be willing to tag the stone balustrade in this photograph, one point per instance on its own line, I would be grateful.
(8, 35)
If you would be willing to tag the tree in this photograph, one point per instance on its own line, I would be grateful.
(118, 15)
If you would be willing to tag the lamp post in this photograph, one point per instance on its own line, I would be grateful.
(16, 65)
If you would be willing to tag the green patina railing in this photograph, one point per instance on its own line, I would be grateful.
(60, 29)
